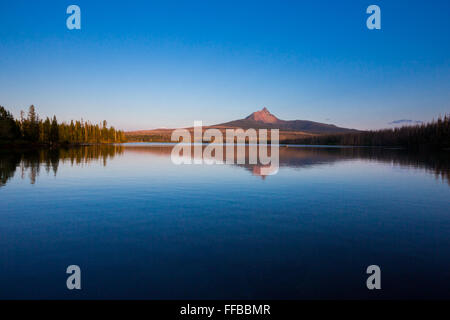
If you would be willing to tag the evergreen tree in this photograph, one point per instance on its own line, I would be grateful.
(9, 129)
(54, 131)
(31, 126)
(46, 127)
(50, 132)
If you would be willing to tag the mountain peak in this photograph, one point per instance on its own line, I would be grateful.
(263, 119)
(263, 116)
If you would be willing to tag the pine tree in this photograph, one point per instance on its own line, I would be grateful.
(54, 131)
(9, 129)
(46, 131)
(50, 132)
(31, 126)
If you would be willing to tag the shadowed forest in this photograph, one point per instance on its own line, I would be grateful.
(434, 135)
(30, 129)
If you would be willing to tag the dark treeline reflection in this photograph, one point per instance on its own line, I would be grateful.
(437, 163)
(31, 162)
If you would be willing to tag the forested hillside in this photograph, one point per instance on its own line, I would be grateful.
(435, 135)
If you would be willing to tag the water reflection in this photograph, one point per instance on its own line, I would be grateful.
(436, 163)
(127, 213)
(30, 162)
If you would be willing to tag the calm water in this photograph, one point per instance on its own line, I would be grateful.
(142, 227)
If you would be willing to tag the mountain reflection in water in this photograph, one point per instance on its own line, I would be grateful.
(31, 162)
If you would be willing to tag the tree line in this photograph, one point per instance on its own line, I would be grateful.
(433, 135)
(32, 129)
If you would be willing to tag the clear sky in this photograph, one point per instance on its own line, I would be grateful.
(145, 64)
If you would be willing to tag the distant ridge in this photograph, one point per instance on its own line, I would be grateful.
(290, 130)
(264, 119)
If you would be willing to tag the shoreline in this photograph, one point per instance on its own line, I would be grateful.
(26, 145)
(30, 146)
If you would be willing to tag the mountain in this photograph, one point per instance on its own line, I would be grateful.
(264, 119)
(290, 130)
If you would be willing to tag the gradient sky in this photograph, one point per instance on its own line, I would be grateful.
(145, 64)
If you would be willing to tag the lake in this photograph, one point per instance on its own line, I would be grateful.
(141, 227)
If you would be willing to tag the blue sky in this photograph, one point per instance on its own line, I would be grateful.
(145, 64)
